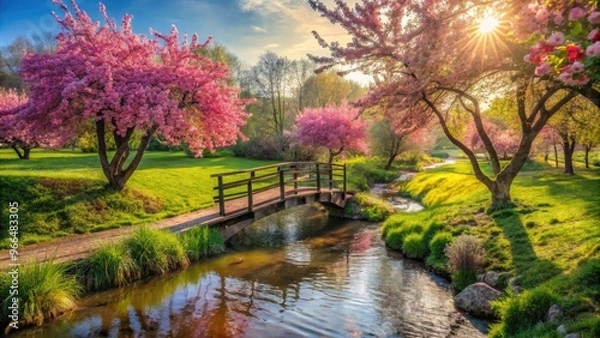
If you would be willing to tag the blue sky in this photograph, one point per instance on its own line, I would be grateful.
(246, 27)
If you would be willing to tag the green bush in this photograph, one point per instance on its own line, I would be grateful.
(201, 242)
(463, 278)
(438, 245)
(108, 266)
(45, 291)
(414, 246)
(392, 222)
(155, 251)
(518, 313)
(395, 238)
(430, 231)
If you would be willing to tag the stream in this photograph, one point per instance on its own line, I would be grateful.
(311, 276)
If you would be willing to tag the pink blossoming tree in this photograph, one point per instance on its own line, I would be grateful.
(14, 131)
(125, 82)
(436, 60)
(335, 128)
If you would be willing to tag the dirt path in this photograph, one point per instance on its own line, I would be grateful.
(75, 247)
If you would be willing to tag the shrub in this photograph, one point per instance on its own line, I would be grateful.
(414, 246)
(373, 209)
(438, 244)
(463, 278)
(517, 313)
(392, 222)
(155, 251)
(430, 231)
(465, 253)
(201, 242)
(45, 291)
(395, 238)
(108, 266)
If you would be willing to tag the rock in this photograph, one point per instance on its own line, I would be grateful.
(562, 330)
(573, 335)
(475, 299)
(491, 278)
(480, 277)
(554, 314)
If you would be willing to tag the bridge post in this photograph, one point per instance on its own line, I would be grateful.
(281, 184)
(318, 178)
(330, 172)
(344, 184)
(295, 168)
(250, 202)
(221, 198)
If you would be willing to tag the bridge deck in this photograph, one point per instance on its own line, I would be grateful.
(75, 247)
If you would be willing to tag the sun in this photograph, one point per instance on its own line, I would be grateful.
(488, 24)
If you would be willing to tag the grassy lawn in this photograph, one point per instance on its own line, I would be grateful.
(546, 241)
(64, 192)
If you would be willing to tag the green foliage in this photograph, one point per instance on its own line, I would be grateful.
(438, 245)
(430, 231)
(45, 291)
(395, 237)
(463, 278)
(372, 208)
(588, 279)
(440, 154)
(201, 242)
(108, 266)
(414, 246)
(519, 312)
(363, 173)
(155, 251)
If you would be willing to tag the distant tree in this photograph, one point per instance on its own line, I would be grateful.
(13, 131)
(328, 88)
(547, 140)
(12, 55)
(126, 83)
(504, 140)
(335, 128)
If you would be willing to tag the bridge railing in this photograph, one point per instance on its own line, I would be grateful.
(292, 178)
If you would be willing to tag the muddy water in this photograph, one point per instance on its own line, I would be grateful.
(318, 278)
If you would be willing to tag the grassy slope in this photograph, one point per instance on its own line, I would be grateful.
(64, 192)
(543, 241)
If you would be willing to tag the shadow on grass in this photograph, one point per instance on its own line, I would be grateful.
(530, 269)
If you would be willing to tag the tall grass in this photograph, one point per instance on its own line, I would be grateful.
(155, 251)
(201, 242)
(45, 291)
(108, 266)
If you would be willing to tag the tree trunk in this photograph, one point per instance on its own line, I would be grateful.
(587, 149)
(22, 155)
(501, 193)
(568, 149)
(555, 155)
(391, 159)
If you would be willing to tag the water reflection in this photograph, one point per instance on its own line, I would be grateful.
(339, 282)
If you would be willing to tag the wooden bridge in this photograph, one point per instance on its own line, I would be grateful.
(245, 196)
(242, 197)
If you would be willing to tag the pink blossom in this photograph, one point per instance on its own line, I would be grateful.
(576, 13)
(542, 15)
(556, 39)
(573, 79)
(594, 35)
(593, 50)
(594, 17)
(542, 69)
(577, 67)
(559, 19)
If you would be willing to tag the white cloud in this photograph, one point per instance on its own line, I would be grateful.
(271, 45)
(259, 29)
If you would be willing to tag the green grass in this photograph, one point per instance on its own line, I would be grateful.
(108, 266)
(155, 251)
(550, 239)
(45, 291)
(201, 242)
(64, 192)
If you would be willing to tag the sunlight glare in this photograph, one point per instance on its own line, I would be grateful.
(488, 24)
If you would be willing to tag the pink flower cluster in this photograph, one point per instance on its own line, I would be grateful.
(568, 50)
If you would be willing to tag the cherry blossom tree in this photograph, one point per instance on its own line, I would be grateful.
(443, 59)
(336, 128)
(503, 139)
(124, 83)
(547, 139)
(13, 131)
